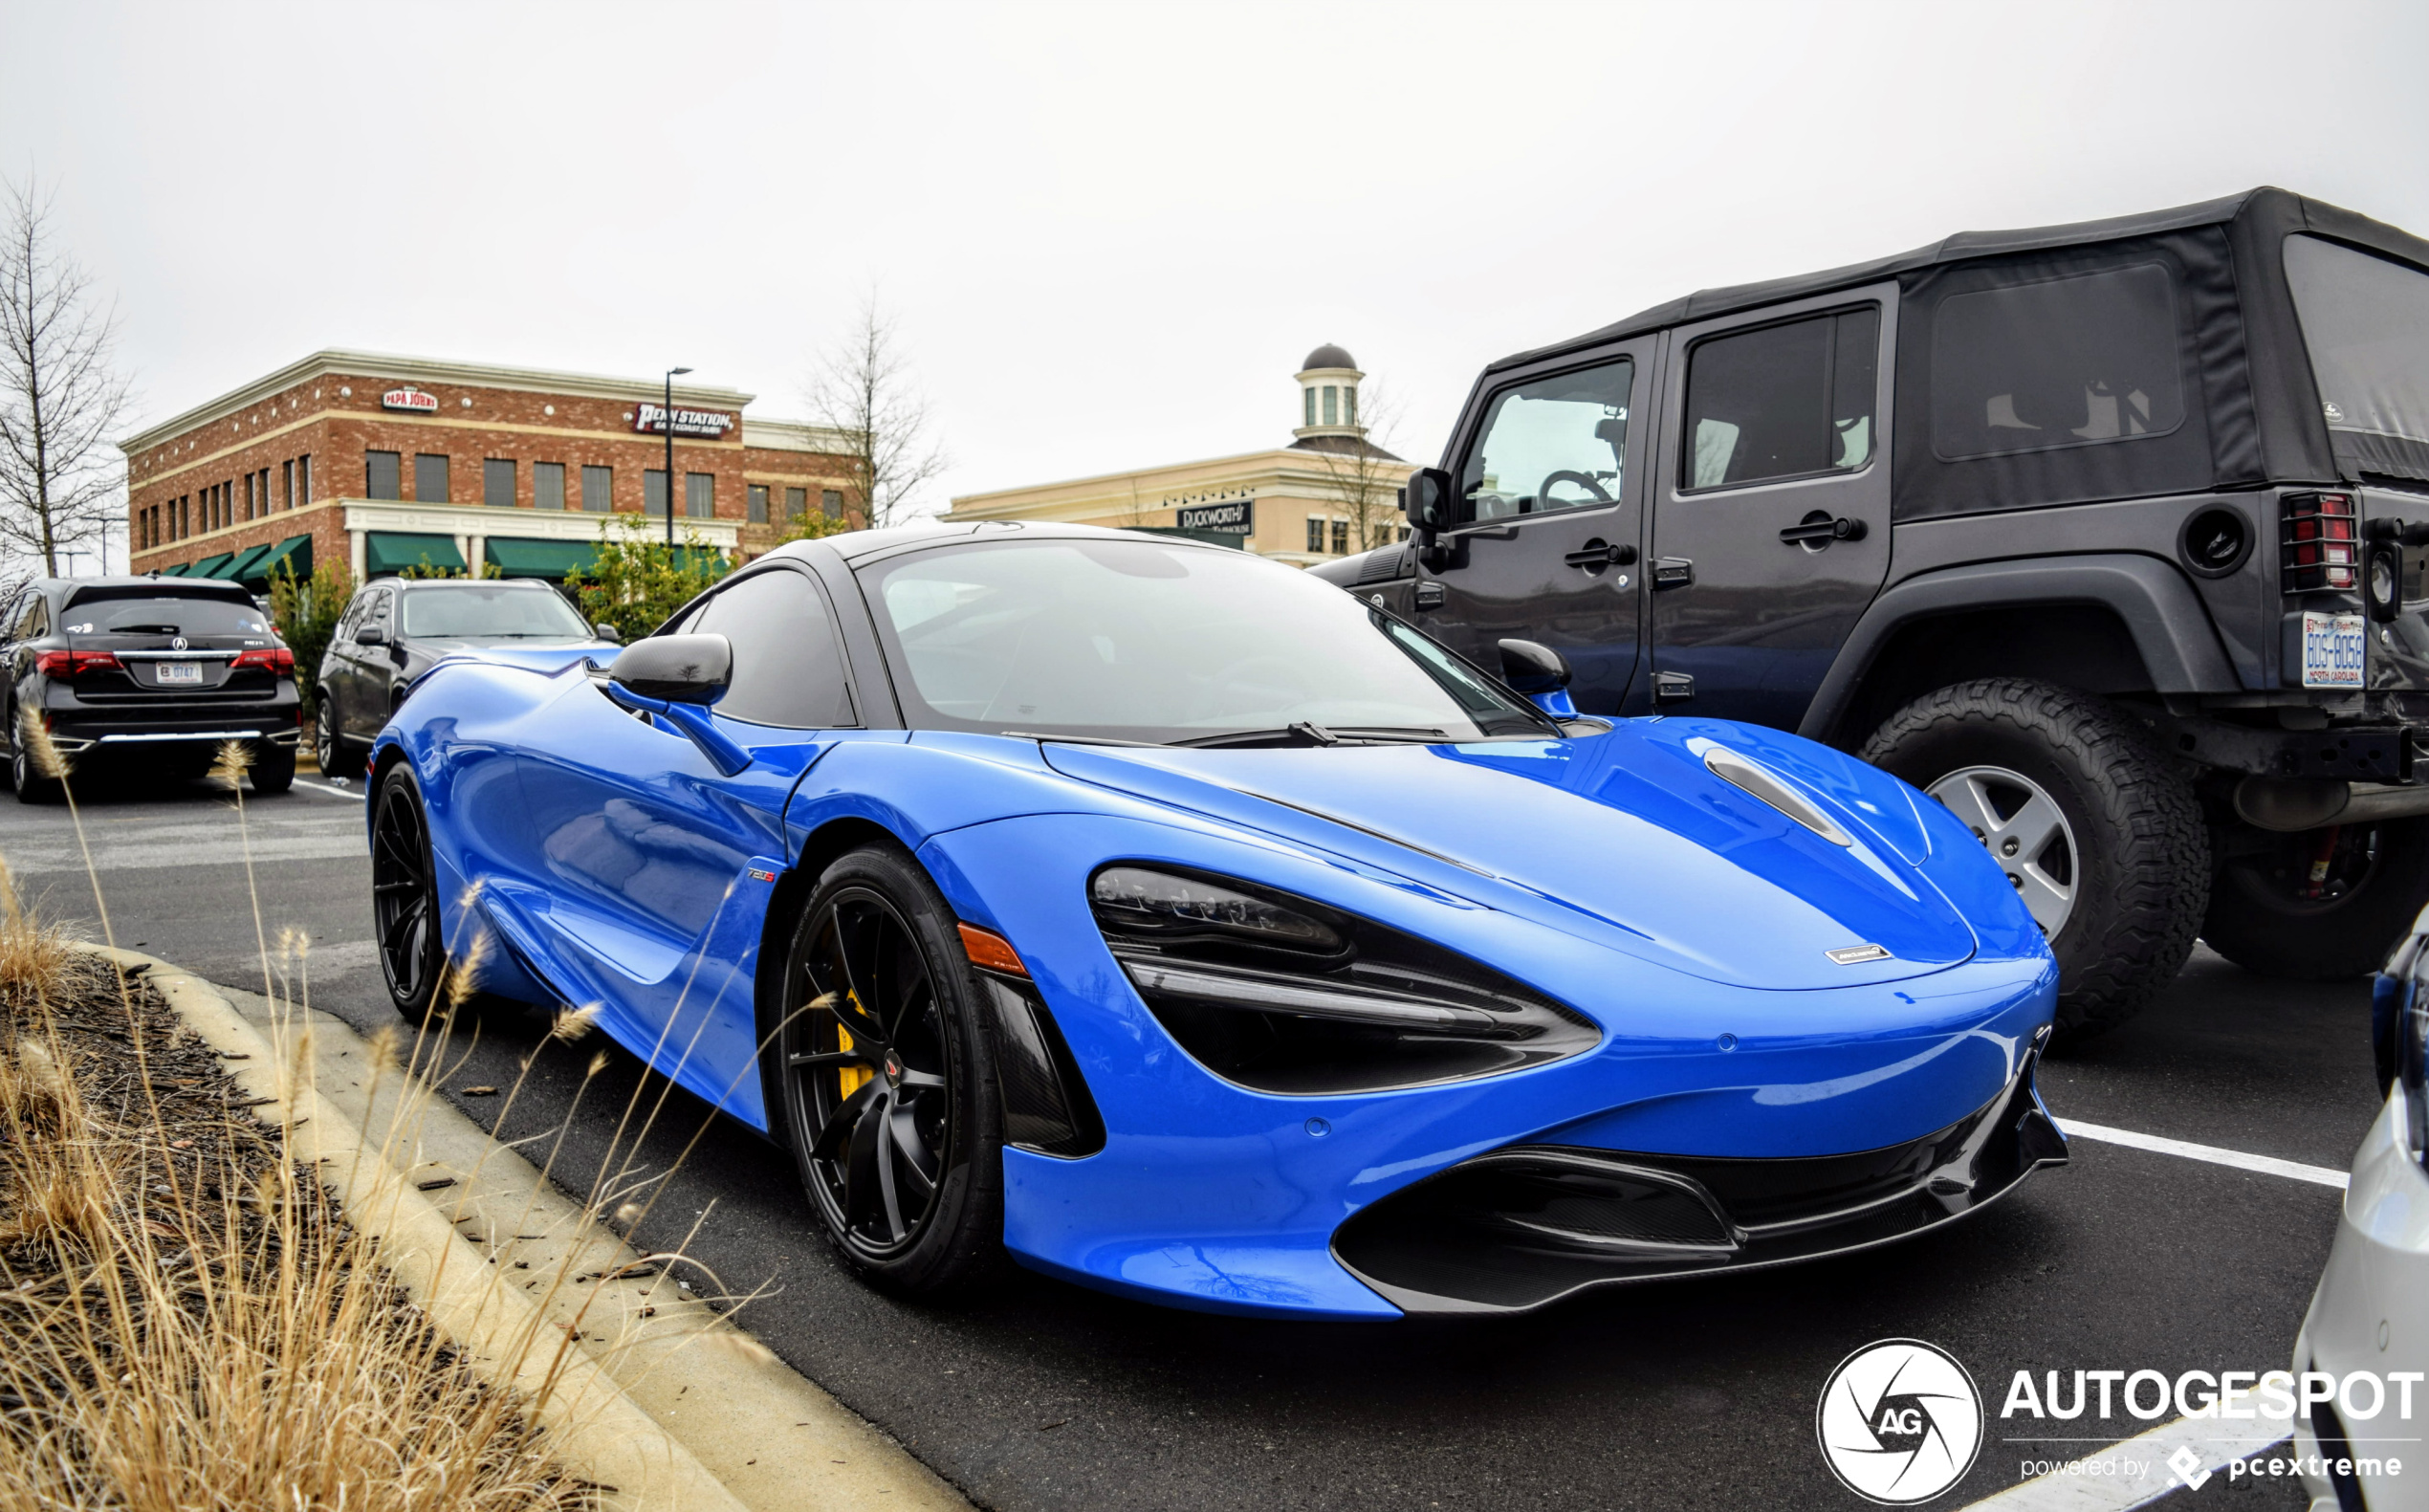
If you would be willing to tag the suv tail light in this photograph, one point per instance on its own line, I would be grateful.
(273, 658)
(2319, 543)
(70, 664)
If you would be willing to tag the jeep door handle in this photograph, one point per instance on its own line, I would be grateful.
(1597, 553)
(1821, 531)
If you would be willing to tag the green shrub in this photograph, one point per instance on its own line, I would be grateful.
(636, 580)
(306, 612)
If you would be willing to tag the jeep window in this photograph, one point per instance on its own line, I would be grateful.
(2066, 363)
(2366, 322)
(1553, 443)
(1788, 401)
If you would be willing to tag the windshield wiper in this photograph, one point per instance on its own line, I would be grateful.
(1080, 740)
(1305, 732)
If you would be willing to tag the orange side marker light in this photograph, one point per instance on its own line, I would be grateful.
(991, 951)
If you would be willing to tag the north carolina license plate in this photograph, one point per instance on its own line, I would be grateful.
(2333, 649)
(192, 671)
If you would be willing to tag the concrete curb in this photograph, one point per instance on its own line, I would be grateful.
(594, 1428)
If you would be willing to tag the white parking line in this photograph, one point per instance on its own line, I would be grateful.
(2266, 1165)
(324, 787)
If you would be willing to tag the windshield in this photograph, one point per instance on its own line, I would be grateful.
(1144, 641)
(164, 616)
(2366, 323)
(500, 611)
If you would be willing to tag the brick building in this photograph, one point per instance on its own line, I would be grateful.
(381, 462)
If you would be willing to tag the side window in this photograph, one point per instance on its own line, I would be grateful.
(37, 617)
(787, 669)
(2063, 362)
(1788, 401)
(1553, 443)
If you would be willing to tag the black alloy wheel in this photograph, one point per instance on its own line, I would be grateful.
(2324, 905)
(328, 748)
(405, 898)
(888, 1101)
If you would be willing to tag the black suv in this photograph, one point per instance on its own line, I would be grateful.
(151, 670)
(396, 627)
(2111, 536)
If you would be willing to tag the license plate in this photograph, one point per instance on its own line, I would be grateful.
(2333, 649)
(177, 672)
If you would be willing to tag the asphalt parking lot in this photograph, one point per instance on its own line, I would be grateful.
(1689, 1394)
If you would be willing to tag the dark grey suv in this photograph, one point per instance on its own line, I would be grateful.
(396, 627)
(2111, 536)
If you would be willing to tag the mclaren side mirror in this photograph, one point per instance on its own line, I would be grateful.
(1540, 673)
(608, 633)
(677, 669)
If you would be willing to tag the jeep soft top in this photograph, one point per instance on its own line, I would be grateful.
(2110, 536)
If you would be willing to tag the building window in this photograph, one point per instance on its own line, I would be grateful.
(831, 503)
(264, 494)
(757, 498)
(699, 495)
(287, 485)
(1332, 405)
(380, 476)
(548, 485)
(599, 489)
(1349, 406)
(1340, 537)
(303, 478)
(430, 478)
(1309, 395)
(498, 482)
(1315, 534)
(248, 496)
(653, 491)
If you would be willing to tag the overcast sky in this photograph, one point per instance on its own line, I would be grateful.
(1110, 231)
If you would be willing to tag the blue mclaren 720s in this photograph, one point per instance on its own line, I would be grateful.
(1182, 926)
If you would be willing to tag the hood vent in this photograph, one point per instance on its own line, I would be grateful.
(1758, 780)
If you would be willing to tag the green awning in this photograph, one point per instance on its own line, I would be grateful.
(209, 566)
(178, 570)
(242, 567)
(294, 555)
(386, 550)
(519, 557)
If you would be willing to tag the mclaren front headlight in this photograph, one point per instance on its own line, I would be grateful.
(1284, 994)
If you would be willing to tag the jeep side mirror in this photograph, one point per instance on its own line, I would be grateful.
(677, 669)
(1426, 502)
(1541, 673)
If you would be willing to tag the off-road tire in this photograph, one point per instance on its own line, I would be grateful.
(2259, 928)
(2143, 850)
(273, 768)
(955, 1244)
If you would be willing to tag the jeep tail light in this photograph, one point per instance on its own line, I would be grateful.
(2319, 543)
(272, 658)
(70, 664)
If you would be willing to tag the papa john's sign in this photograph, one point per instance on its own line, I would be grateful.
(711, 424)
(411, 400)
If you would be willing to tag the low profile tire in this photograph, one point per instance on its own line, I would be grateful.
(328, 748)
(2091, 820)
(887, 1088)
(273, 768)
(2321, 906)
(405, 898)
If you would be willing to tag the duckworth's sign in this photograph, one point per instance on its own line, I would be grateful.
(1237, 518)
(711, 424)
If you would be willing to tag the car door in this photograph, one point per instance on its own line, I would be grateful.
(658, 865)
(1548, 505)
(337, 669)
(1771, 513)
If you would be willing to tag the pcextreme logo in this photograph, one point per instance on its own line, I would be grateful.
(1899, 1423)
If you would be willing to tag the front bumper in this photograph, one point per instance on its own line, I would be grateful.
(1527, 1226)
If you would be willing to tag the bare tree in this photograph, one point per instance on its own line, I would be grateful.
(1363, 476)
(863, 387)
(60, 394)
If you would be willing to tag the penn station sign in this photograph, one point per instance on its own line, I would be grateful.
(710, 424)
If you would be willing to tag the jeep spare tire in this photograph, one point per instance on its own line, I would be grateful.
(2094, 824)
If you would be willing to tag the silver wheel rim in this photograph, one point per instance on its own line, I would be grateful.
(2025, 832)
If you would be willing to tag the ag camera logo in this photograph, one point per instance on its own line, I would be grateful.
(1899, 1423)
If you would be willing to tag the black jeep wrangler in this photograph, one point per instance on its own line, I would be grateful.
(2109, 536)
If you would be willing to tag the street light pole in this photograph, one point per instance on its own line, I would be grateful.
(667, 420)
